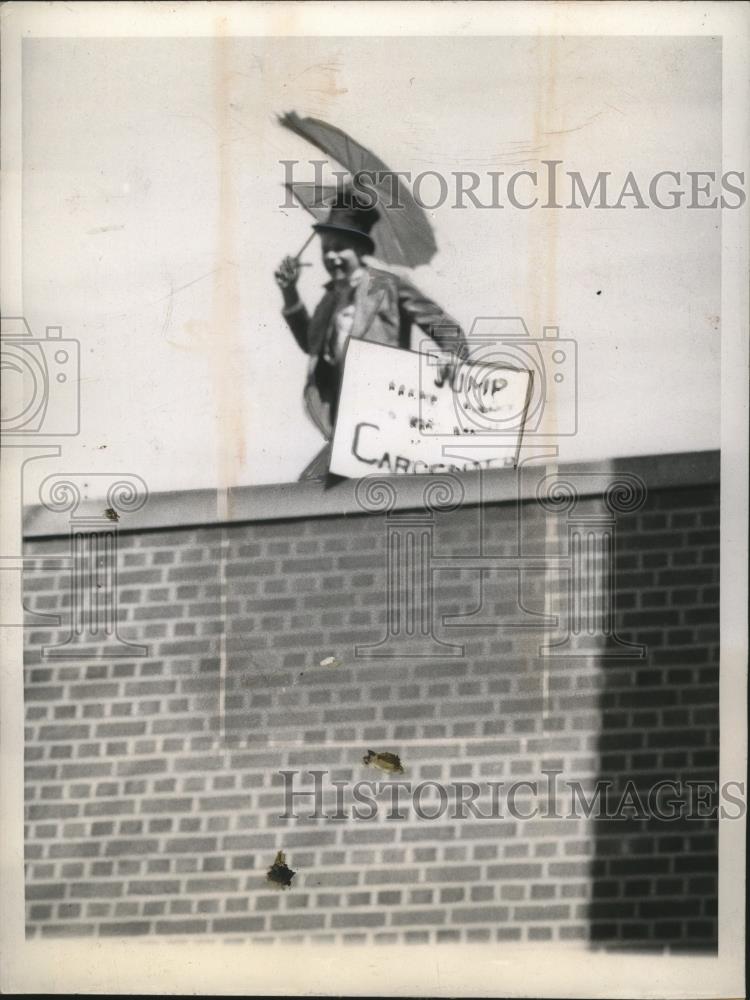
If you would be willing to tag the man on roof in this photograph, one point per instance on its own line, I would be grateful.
(361, 301)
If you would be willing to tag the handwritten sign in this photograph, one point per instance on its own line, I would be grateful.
(408, 412)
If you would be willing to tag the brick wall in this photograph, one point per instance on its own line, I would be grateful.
(153, 789)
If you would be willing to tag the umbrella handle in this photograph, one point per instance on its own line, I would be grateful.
(305, 245)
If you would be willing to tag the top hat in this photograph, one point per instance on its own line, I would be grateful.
(348, 215)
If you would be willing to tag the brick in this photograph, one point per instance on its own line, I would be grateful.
(693, 576)
(459, 873)
(130, 928)
(225, 802)
(487, 830)
(681, 656)
(43, 693)
(167, 612)
(153, 887)
(153, 765)
(618, 909)
(643, 866)
(40, 772)
(106, 729)
(124, 847)
(363, 562)
(94, 692)
(96, 890)
(676, 738)
(186, 647)
(367, 835)
(310, 838)
(67, 930)
(242, 862)
(323, 880)
(569, 869)
(348, 919)
(658, 618)
(191, 845)
(237, 905)
(111, 807)
(555, 912)
(237, 925)
(127, 577)
(297, 921)
(80, 849)
(194, 926)
(53, 810)
(497, 748)
(621, 741)
(269, 902)
(167, 726)
(696, 863)
(62, 733)
(663, 908)
(220, 885)
(147, 688)
(200, 763)
(397, 876)
(317, 564)
(404, 918)
(520, 870)
(46, 891)
(479, 914)
(168, 805)
(350, 715)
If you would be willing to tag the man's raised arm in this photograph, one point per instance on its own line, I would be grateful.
(294, 311)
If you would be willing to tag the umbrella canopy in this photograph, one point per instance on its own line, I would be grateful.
(316, 198)
(402, 235)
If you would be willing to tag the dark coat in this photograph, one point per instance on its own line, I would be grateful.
(385, 307)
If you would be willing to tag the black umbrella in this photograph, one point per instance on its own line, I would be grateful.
(401, 235)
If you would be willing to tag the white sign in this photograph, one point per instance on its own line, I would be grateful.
(406, 412)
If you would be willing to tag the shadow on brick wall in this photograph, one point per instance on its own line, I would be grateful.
(655, 880)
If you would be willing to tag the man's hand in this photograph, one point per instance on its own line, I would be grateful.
(446, 371)
(287, 273)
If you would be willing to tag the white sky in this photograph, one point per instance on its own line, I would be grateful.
(151, 229)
